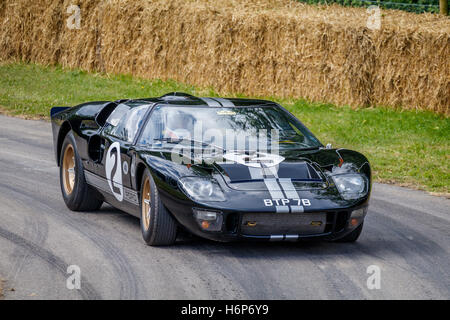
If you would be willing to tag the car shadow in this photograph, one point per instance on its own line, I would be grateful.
(375, 243)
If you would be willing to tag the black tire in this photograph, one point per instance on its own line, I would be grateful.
(352, 236)
(161, 228)
(81, 197)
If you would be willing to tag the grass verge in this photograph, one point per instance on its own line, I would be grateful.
(404, 147)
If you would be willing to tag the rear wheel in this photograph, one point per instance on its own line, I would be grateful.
(157, 225)
(352, 236)
(77, 194)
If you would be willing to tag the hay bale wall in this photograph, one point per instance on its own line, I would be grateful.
(256, 47)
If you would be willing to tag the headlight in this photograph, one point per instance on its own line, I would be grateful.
(351, 186)
(202, 189)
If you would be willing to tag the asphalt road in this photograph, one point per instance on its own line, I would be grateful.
(407, 235)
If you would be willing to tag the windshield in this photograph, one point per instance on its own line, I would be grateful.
(237, 128)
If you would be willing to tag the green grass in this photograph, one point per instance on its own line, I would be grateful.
(29, 89)
(404, 147)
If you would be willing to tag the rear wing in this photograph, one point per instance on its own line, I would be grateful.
(55, 110)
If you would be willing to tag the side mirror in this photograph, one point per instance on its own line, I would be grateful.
(329, 146)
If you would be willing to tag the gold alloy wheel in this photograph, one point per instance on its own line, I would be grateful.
(69, 169)
(146, 203)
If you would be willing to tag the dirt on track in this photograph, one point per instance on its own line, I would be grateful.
(256, 47)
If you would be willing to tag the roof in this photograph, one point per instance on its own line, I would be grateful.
(180, 98)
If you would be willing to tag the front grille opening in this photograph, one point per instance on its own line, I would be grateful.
(232, 222)
(341, 220)
(330, 221)
(265, 223)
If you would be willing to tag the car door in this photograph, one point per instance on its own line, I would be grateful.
(118, 138)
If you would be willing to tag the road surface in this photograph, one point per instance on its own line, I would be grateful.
(406, 236)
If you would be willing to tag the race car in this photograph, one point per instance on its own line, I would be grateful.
(222, 169)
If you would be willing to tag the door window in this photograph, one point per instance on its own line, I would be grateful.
(125, 121)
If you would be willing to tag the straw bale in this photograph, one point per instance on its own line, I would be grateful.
(256, 47)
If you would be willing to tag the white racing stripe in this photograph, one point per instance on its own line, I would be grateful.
(297, 209)
(225, 102)
(286, 191)
(255, 173)
(274, 188)
(211, 102)
(276, 237)
(282, 209)
(273, 171)
(288, 188)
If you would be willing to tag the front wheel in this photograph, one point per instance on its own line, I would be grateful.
(157, 225)
(77, 194)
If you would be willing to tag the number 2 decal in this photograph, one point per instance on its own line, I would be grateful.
(113, 169)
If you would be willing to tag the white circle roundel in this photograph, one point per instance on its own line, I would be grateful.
(125, 167)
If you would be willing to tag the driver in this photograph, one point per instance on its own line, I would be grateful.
(179, 125)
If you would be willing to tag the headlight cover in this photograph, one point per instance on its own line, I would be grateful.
(351, 186)
(202, 189)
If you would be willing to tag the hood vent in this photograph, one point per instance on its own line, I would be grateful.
(296, 171)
